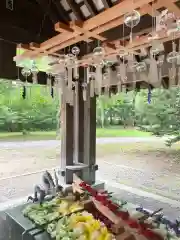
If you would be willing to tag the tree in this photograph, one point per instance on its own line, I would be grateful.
(36, 112)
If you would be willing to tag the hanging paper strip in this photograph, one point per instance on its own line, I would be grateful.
(35, 78)
(92, 87)
(70, 71)
(160, 75)
(172, 75)
(99, 77)
(134, 80)
(84, 89)
(87, 74)
(107, 81)
(153, 72)
(49, 80)
(122, 70)
(76, 71)
(66, 76)
(119, 87)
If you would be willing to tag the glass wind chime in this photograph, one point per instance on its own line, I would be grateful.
(63, 71)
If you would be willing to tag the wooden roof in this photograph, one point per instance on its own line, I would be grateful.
(49, 26)
(33, 20)
(80, 21)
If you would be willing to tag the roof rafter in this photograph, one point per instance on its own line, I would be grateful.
(76, 10)
(113, 12)
(47, 8)
(65, 17)
(107, 3)
(171, 6)
(102, 22)
(90, 5)
(78, 27)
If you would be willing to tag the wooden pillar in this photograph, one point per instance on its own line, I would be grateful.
(90, 138)
(78, 150)
(67, 143)
(79, 125)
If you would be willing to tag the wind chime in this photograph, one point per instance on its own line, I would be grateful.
(63, 71)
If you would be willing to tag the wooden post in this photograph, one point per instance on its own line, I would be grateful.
(78, 127)
(90, 138)
(67, 144)
(85, 133)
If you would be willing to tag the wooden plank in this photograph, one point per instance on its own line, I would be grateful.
(106, 212)
(114, 12)
(78, 30)
(62, 28)
(78, 27)
(171, 6)
(63, 37)
(33, 45)
(120, 20)
(23, 46)
(60, 41)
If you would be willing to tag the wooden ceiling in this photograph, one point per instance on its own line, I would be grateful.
(75, 21)
(49, 26)
(33, 20)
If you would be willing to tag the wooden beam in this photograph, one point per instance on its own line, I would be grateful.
(33, 45)
(78, 27)
(171, 6)
(144, 43)
(114, 12)
(62, 40)
(62, 28)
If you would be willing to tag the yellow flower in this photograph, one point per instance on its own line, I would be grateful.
(108, 237)
(104, 230)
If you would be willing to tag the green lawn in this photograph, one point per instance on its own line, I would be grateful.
(51, 135)
(119, 132)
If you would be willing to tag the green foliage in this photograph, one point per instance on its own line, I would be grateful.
(117, 110)
(39, 111)
(36, 112)
(161, 116)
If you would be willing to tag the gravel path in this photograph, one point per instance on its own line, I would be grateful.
(161, 183)
(150, 171)
(44, 143)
